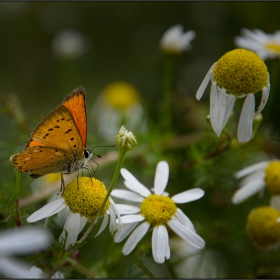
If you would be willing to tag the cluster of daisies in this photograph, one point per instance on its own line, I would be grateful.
(240, 73)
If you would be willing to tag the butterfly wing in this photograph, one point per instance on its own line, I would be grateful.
(57, 144)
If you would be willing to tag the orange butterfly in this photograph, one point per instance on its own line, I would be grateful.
(58, 143)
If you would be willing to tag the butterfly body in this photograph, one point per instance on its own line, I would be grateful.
(58, 143)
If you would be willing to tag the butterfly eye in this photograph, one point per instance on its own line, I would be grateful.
(86, 154)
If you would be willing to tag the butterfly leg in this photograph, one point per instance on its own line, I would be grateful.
(78, 178)
(62, 184)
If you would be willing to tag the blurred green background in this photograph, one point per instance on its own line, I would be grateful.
(120, 41)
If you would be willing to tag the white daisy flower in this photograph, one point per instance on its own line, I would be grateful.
(255, 178)
(237, 74)
(175, 41)
(20, 241)
(81, 204)
(265, 45)
(157, 210)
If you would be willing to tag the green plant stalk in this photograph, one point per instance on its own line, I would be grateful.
(113, 182)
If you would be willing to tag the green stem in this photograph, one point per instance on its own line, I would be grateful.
(18, 221)
(113, 182)
(144, 268)
(80, 268)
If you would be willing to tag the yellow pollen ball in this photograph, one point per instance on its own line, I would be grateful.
(158, 209)
(272, 177)
(240, 72)
(121, 95)
(87, 197)
(273, 47)
(263, 228)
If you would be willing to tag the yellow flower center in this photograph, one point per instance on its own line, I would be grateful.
(241, 72)
(273, 47)
(262, 226)
(158, 209)
(121, 95)
(272, 177)
(87, 197)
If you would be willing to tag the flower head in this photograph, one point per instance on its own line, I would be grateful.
(20, 241)
(239, 73)
(265, 45)
(175, 41)
(256, 178)
(80, 203)
(156, 210)
(125, 139)
(263, 227)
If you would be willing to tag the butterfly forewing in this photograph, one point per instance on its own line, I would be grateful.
(58, 142)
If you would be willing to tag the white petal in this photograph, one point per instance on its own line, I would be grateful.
(58, 275)
(252, 168)
(36, 272)
(245, 125)
(230, 101)
(103, 225)
(161, 177)
(132, 218)
(187, 234)
(115, 210)
(253, 176)
(133, 184)
(265, 95)
(160, 246)
(48, 210)
(246, 191)
(217, 108)
(204, 83)
(127, 209)
(23, 240)
(183, 219)
(275, 201)
(187, 196)
(135, 237)
(127, 195)
(14, 268)
(112, 226)
(63, 213)
(72, 226)
(83, 222)
(124, 231)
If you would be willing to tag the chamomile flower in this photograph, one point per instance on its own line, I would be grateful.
(20, 241)
(237, 74)
(157, 210)
(263, 227)
(256, 178)
(265, 45)
(175, 41)
(81, 204)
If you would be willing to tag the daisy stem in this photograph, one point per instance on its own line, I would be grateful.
(144, 268)
(113, 182)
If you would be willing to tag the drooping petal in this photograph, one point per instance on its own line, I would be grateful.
(180, 215)
(265, 95)
(72, 226)
(124, 231)
(217, 108)
(115, 212)
(253, 176)
(48, 210)
(275, 201)
(133, 184)
(132, 218)
(230, 101)
(161, 177)
(127, 209)
(187, 234)
(127, 195)
(160, 246)
(204, 83)
(103, 225)
(83, 222)
(23, 240)
(252, 168)
(135, 237)
(246, 191)
(112, 226)
(245, 125)
(187, 196)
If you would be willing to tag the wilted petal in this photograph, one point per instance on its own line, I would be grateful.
(245, 125)
(265, 95)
